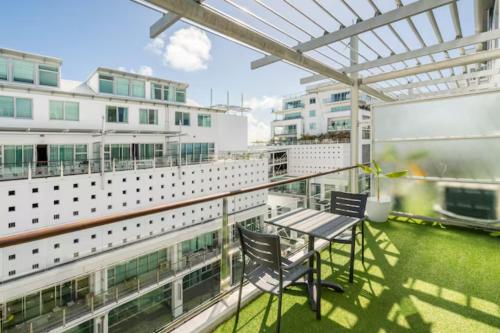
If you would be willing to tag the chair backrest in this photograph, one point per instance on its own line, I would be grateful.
(348, 204)
(264, 249)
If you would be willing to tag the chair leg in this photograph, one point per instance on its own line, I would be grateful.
(239, 301)
(353, 250)
(363, 242)
(318, 288)
(278, 327)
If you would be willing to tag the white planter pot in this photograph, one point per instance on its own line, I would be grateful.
(378, 211)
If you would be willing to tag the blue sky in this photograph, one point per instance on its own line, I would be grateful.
(115, 33)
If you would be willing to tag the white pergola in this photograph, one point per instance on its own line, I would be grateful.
(381, 47)
(395, 58)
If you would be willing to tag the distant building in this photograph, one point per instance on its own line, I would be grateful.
(324, 109)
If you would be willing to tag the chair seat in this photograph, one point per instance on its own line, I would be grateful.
(267, 279)
(345, 237)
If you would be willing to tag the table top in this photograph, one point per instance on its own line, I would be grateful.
(314, 223)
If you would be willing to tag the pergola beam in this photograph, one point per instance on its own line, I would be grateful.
(201, 15)
(459, 61)
(206, 17)
(454, 91)
(358, 28)
(450, 45)
(165, 22)
(473, 75)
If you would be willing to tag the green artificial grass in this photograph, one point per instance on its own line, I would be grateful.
(417, 278)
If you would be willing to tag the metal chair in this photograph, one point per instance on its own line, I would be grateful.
(352, 206)
(270, 272)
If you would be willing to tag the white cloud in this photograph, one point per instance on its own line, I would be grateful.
(260, 117)
(157, 46)
(143, 70)
(188, 50)
(192, 102)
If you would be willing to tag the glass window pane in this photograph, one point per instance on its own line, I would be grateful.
(180, 95)
(56, 110)
(106, 84)
(143, 116)
(3, 69)
(138, 88)
(156, 91)
(23, 71)
(6, 106)
(153, 117)
(122, 115)
(111, 114)
(71, 110)
(48, 75)
(166, 92)
(23, 108)
(122, 86)
(27, 153)
(185, 119)
(178, 118)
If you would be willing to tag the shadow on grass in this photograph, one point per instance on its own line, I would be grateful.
(416, 278)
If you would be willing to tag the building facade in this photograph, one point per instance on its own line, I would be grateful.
(117, 142)
(324, 109)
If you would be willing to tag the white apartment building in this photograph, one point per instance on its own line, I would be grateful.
(322, 109)
(117, 142)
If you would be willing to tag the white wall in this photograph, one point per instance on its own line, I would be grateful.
(149, 186)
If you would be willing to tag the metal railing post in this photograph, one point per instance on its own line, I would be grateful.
(225, 274)
(29, 171)
(64, 317)
(308, 193)
(61, 169)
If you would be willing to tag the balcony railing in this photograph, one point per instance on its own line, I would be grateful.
(338, 128)
(32, 170)
(96, 303)
(93, 302)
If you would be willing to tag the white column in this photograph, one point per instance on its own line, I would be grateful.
(177, 298)
(100, 281)
(101, 324)
(177, 293)
(354, 117)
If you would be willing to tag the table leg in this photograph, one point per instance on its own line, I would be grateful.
(310, 281)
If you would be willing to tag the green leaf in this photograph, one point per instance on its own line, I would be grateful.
(365, 168)
(396, 174)
(377, 167)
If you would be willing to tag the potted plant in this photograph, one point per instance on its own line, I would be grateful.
(378, 208)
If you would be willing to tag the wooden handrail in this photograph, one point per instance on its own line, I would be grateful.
(42, 233)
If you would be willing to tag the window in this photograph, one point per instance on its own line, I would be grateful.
(23, 71)
(23, 108)
(4, 69)
(122, 86)
(48, 75)
(312, 113)
(182, 118)
(340, 108)
(149, 117)
(204, 120)
(312, 100)
(15, 107)
(116, 114)
(156, 91)
(312, 126)
(180, 95)
(137, 88)
(106, 84)
(60, 110)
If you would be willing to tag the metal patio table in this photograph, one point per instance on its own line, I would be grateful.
(315, 224)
